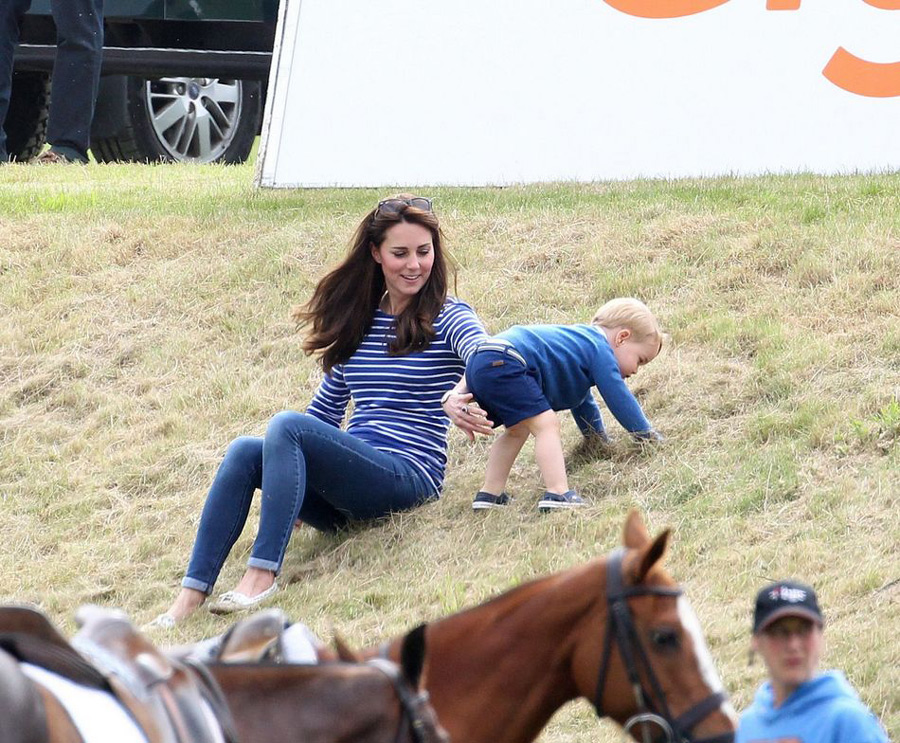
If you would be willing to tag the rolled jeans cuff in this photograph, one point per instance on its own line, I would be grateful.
(197, 585)
(257, 562)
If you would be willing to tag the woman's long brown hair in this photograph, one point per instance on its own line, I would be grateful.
(344, 302)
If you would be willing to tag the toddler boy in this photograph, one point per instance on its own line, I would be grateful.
(521, 376)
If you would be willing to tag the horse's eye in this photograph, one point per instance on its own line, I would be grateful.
(665, 640)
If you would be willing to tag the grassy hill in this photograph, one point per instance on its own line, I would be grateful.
(144, 323)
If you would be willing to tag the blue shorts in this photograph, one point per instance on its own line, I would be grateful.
(504, 385)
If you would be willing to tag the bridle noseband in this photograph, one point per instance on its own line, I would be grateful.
(620, 627)
(411, 703)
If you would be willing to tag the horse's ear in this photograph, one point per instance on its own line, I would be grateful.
(325, 654)
(635, 535)
(412, 655)
(649, 555)
(345, 652)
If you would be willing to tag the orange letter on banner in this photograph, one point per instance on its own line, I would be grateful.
(884, 4)
(875, 79)
(663, 8)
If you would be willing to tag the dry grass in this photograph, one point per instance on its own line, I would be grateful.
(145, 324)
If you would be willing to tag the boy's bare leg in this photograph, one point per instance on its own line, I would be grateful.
(548, 451)
(504, 450)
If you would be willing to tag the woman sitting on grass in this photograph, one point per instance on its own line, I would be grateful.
(390, 338)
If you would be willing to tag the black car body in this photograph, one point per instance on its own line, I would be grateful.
(182, 79)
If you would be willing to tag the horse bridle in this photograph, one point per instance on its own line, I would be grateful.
(620, 628)
(215, 698)
(411, 702)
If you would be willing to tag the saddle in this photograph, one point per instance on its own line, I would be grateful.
(256, 639)
(171, 701)
(264, 637)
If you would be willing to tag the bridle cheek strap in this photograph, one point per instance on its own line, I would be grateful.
(411, 702)
(620, 627)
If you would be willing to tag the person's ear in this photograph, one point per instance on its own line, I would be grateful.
(622, 335)
(375, 254)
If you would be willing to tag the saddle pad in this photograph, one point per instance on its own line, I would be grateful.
(97, 715)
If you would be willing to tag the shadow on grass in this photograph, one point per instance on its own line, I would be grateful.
(318, 553)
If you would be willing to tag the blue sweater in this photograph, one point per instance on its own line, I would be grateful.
(571, 359)
(397, 399)
(825, 709)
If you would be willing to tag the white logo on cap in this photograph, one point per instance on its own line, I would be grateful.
(791, 595)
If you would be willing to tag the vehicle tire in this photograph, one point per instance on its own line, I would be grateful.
(185, 119)
(26, 120)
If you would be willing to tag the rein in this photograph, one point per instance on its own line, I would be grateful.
(621, 630)
(410, 702)
(215, 697)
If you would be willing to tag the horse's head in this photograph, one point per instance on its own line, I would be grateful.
(652, 671)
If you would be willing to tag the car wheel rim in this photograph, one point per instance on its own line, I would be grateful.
(194, 118)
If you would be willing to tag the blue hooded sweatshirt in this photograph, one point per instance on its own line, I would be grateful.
(825, 709)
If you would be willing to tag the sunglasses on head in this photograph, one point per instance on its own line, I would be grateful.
(396, 205)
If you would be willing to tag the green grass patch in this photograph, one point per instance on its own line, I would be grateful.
(146, 322)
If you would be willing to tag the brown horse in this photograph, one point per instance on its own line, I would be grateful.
(616, 631)
(332, 702)
(253, 702)
(329, 703)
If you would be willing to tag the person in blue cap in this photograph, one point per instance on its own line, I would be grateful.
(800, 704)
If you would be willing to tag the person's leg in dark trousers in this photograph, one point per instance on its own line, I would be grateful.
(76, 75)
(11, 12)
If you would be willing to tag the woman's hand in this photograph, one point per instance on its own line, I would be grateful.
(467, 414)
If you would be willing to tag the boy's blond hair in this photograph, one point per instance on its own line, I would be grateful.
(630, 313)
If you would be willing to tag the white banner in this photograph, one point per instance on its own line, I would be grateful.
(491, 92)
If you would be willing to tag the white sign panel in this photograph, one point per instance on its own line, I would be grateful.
(490, 92)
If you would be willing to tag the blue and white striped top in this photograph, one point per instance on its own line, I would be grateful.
(397, 399)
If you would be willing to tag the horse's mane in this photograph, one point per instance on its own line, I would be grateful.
(588, 573)
(511, 600)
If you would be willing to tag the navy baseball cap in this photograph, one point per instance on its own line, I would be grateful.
(785, 599)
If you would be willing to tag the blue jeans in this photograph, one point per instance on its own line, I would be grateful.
(306, 469)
